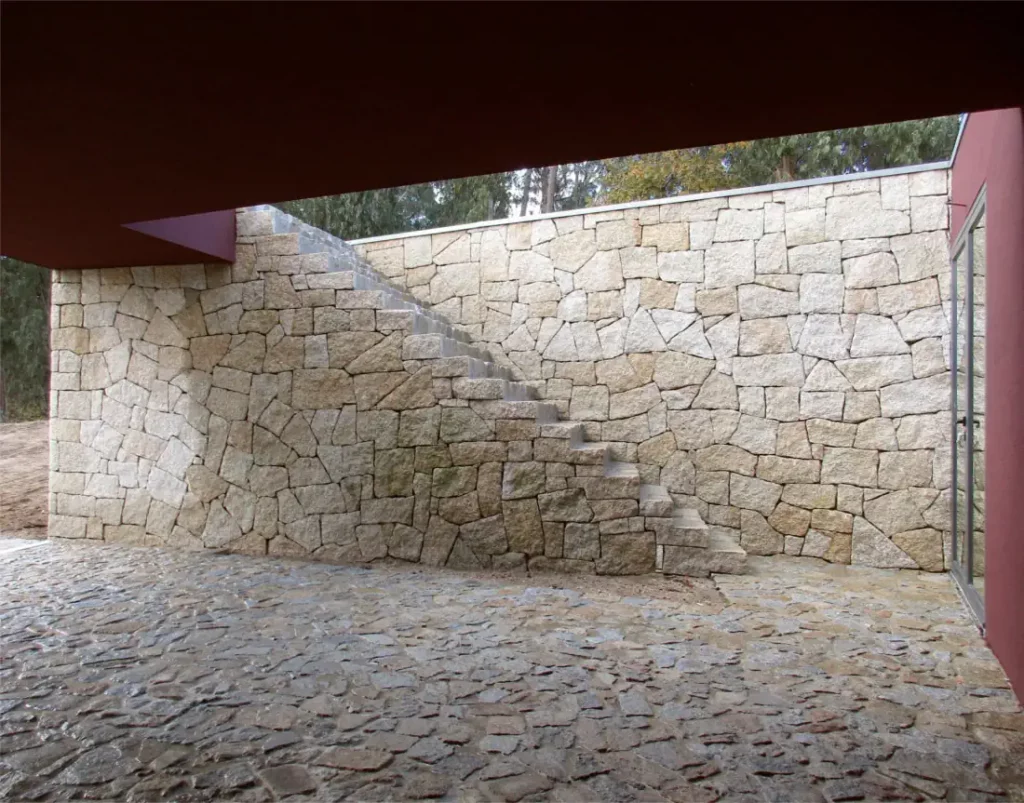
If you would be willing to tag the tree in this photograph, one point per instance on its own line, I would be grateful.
(24, 340)
(665, 174)
(417, 206)
(556, 188)
(847, 150)
(766, 161)
(468, 200)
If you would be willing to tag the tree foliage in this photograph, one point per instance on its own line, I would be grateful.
(847, 150)
(417, 206)
(665, 174)
(24, 340)
(631, 178)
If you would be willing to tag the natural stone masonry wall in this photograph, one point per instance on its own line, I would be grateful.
(776, 359)
(293, 404)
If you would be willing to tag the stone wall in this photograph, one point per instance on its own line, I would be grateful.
(778, 358)
(293, 404)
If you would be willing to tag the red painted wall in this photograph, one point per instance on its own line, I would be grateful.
(991, 154)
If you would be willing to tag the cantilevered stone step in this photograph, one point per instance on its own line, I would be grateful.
(592, 453)
(723, 555)
(539, 411)
(622, 470)
(492, 388)
(417, 321)
(427, 347)
(569, 430)
(683, 528)
(469, 367)
(615, 481)
(563, 450)
(655, 501)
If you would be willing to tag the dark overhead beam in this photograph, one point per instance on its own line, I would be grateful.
(115, 113)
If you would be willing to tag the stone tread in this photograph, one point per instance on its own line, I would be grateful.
(688, 518)
(722, 555)
(492, 388)
(626, 471)
(563, 429)
(469, 367)
(655, 501)
(434, 345)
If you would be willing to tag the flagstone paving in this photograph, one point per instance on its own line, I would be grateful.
(142, 674)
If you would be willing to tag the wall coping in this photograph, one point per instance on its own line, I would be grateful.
(679, 199)
(959, 136)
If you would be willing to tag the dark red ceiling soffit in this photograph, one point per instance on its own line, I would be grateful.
(115, 113)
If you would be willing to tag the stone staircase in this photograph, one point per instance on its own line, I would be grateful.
(682, 544)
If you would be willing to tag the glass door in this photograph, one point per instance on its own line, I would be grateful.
(968, 392)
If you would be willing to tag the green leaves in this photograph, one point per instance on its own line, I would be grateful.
(24, 340)
(631, 178)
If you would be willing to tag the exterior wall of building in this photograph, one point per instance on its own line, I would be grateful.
(991, 155)
(777, 357)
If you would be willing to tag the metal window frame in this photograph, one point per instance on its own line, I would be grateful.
(964, 575)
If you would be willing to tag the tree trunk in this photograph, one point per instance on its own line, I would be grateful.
(526, 193)
(786, 171)
(549, 189)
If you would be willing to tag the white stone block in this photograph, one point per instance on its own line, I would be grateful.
(603, 271)
(805, 226)
(852, 217)
(875, 335)
(764, 336)
(931, 182)
(735, 224)
(872, 373)
(729, 264)
(770, 254)
(821, 292)
(895, 192)
(916, 397)
(758, 301)
(921, 255)
(680, 266)
(819, 258)
(769, 370)
(929, 213)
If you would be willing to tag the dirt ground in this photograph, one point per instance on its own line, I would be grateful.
(24, 474)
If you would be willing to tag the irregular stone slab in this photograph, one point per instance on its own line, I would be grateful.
(851, 217)
(288, 779)
(354, 759)
(872, 548)
(924, 547)
(626, 553)
(753, 494)
(758, 537)
(523, 525)
(522, 480)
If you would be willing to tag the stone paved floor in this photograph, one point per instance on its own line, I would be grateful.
(132, 674)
